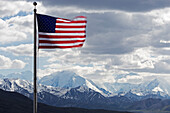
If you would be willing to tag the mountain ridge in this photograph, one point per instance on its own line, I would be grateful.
(12, 102)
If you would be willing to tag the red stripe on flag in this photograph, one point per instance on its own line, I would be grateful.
(79, 17)
(61, 47)
(60, 42)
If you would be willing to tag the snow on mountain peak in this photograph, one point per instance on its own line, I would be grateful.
(156, 89)
(68, 79)
(23, 87)
(15, 84)
(63, 79)
(155, 86)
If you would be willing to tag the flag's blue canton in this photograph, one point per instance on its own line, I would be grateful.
(46, 23)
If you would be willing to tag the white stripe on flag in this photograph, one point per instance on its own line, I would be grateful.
(70, 29)
(63, 20)
(75, 19)
(79, 19)
(61, 39)
(63, 34)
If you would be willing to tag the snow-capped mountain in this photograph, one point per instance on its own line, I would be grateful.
(117, 88)
(81, 96)
(157, 86)
(26, 88)
(63, 79)
(68, 79)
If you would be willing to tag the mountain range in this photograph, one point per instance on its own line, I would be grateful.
(64, 79)
(80, 96)
(84, 97)
(12, 102)
(67, 89)
(68, 79)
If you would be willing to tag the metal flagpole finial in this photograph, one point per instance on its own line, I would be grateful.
(35, 3)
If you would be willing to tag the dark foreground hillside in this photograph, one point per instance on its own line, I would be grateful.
(11, 102)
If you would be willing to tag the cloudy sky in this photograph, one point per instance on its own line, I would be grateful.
(124, 37)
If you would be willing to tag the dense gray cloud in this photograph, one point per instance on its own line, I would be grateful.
(126, 5)
(117, 33)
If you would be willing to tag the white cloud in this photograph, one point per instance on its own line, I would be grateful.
(20, 50)
(10, 8)
(7, 63)
(87, 65)
(9, 34)
(44, 72)
(161, 67)
(139, 59)
(21, 23)
(104, 67)
(17, 21)
(16, 29)
(131, 79)
(160, 17)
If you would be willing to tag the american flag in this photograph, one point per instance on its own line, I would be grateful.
(61, 33)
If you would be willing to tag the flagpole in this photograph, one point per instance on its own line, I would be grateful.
(35, 61)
